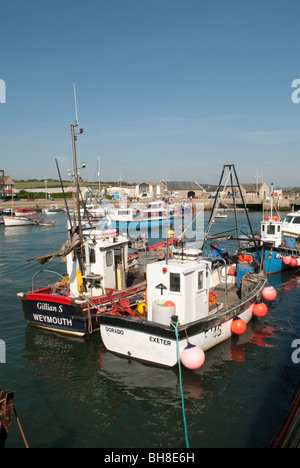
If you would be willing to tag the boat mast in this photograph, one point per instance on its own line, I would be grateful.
(76, 179)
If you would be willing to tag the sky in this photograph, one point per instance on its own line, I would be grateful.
(166, 89)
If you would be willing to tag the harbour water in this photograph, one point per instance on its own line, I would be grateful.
(72, 393)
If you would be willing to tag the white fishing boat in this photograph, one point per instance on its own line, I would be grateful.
(20, 217)
(291, 224)
(52, 210)
(188, 305)
(221, 215)
(14, 220)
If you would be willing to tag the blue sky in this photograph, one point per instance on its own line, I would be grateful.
(168, 89)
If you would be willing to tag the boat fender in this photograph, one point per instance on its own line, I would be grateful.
(269, 293)
(259, 309)
(79, 281)
(238, 326)
(192, 357)
(142, 308)
(287, 259)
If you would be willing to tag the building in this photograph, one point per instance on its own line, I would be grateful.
(180, 189)
(6, 185)
(146, 190)
(261, 191)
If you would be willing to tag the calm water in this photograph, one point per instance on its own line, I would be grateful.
(72, 393)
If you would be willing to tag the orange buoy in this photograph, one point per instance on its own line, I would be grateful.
(259, 309)
(269, 293)
(231, 271)
(287, 259)
(192, 357)
(238, 326)
(294, 263)
(169, 304)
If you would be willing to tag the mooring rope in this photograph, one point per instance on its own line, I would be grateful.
(180, 383)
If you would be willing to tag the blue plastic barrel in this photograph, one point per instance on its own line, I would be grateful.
(290, 243)
(242, 269)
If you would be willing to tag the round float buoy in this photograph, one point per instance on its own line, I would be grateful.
(259, 309)
(298, 261)
(269, 293)
(142, 308)
(294, 263)
(192, 357)
(169, 304)
(238, 326)
(287, 259)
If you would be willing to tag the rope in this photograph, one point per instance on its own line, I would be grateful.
(180, 383)
(20, 427)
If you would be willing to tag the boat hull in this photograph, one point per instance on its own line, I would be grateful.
(157, 344)
(17, 221)
(135, 225)
(273, 259)
(67, 315)
(57, 314)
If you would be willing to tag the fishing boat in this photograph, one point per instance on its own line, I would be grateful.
(15, 220)
(291, 224)
(192, 304)
(99, 272)
(278, 250)
(52, 210)
(20, 217)
(24, 212)
(46, 223)
(124, 218)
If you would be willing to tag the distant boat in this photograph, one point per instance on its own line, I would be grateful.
(291, 224)
(46, 223)
(17, 221)
(52, 210)
(24, 212)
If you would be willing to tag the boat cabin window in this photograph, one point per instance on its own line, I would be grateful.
(296, 220)
(200, 280)
(124, 212)
(288, 219)
(278, 228)
(175, 282)
(92, 256)
(109, 258)
(271, 229)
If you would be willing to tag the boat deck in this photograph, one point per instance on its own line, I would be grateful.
(233, 296)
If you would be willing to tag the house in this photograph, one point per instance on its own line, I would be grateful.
(6, 185)
(146, 190)
(261, 191)
(181, 189)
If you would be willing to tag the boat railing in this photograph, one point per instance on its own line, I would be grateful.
(55, 284)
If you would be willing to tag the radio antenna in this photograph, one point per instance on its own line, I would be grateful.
(75, 103)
